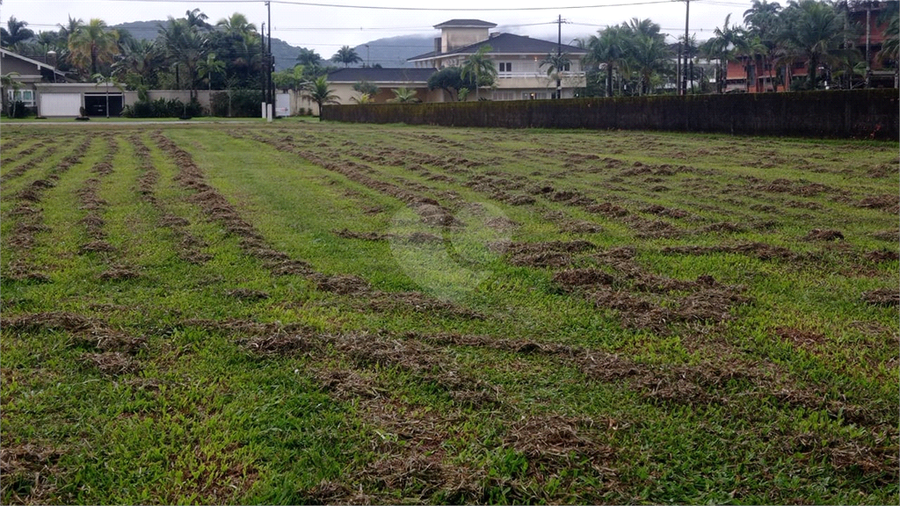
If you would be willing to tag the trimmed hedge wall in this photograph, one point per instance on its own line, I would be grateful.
(844, 114)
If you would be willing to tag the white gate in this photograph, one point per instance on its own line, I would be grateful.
(282, 104)
(60, 104)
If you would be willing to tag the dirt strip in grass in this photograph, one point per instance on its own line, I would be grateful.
(29, 217)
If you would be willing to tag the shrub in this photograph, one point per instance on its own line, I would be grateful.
(162, 108)
(16, 110)
(244, 103)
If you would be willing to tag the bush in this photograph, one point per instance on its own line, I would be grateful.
(244, 103)
(16, 110)
(162, 108)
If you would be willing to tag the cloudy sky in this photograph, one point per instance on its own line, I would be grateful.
(325, 25)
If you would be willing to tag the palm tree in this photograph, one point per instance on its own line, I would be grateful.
(139, 63)
(236, 25)
(404, 96)
(15, 32)
(557, 63)
(320, 93)
(721, 48)
(91, 45)
(108, 81)
(309, 57)
(750, 50)
(813, 32)
(206, 68)
(186, 47)
(347, 56)
(608, 49)
(7, 81)
(764, 23)
(364, 98)
(646, 51)
(71, 26)
(890, 49)
(196, 19)
(481, 67)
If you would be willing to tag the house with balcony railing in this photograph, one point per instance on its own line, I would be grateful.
(519, 59)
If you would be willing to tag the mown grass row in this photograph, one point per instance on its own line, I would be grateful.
(211, 378)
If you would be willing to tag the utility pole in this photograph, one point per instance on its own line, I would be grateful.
(868, 43)
(264, 86)
(270, 63)
(687, 12)
(559, 23)
(678, 72)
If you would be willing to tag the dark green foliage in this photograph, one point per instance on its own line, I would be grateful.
(848, 114)
(450, 80)
(16, 110)
(244, 104)
(162, 108)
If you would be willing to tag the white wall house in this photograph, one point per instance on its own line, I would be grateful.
(518, 59)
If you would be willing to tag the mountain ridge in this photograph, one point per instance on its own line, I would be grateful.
(387, 51)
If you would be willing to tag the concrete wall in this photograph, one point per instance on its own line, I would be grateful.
(840, 114)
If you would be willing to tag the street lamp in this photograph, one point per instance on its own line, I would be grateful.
(51, 57)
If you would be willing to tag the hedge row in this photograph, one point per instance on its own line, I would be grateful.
(842, 114)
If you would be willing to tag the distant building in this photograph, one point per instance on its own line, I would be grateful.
(756, 76)
(518, 58)
(386, 79)
(27, 73)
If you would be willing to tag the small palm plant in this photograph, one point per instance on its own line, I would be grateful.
(319, 92)
(404, 96)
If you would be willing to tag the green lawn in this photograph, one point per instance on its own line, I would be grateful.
(304, 312)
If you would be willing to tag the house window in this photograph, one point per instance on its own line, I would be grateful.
(505, 66)
(504, 95)
(537, 95)
(25, 96)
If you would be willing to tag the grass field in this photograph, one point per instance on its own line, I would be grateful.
(307, 313)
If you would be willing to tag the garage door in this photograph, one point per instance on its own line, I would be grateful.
(60, 104)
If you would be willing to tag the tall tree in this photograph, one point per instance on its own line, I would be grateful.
(450, 80)
(92, 45)
(209, 66)
(139, 63)
(236, 25)
(15, 32)
(608, 50)
(648, 55)
(196, 19)
(346, 55)
(309, 57)
(720, 47)
(813, 32)
(185, 47)
(482, 68)
(764, 23)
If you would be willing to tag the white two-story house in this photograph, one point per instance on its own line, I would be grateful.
(518, 59)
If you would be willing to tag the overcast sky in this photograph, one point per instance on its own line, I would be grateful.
(325, 28)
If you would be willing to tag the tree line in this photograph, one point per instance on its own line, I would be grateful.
(818, 37)
(188, 53)
(631, 58)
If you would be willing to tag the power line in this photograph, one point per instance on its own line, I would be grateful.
(395, 8)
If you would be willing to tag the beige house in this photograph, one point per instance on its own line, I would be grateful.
(27, 73)
(518, 59)
(386, 79)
